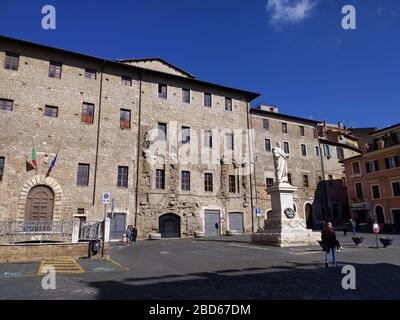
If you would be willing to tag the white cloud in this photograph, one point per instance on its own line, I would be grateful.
(289, 11)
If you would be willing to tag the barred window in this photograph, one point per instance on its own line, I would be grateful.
(90, 74)
(208, 182)
(162, 91)
(228, 104)
(232, 184)
(55, 70)
(267, 143)
(126, 81)
(284, 127)
(207, 100)
(286, 147)
(302, 133)
(125, 119)
(160, 179)
(185, 179)
(303, 150)
(2, 161)
(88, 113)
(306, 182)
(269, 182)
(6, 105)
(122, 177)
(51, 111)
(186, 95)
(11, 61)
(83, 174)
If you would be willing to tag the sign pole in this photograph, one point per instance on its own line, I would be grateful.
(104, 230)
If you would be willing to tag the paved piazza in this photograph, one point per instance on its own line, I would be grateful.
(214, 268)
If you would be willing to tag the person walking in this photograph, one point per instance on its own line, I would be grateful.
(128, 234)
(328, 237)
(353, 226)
(133, 234)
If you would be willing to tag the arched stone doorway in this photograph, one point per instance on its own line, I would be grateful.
(170, 226)
(309, 215)
(380, 216)
(30, 184)
(39, 204)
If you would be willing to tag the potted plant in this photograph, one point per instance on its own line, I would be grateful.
(386, 241)
(357, 240)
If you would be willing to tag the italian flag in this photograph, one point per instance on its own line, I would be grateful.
(34, 155)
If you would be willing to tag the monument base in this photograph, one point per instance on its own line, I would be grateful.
(284, 227)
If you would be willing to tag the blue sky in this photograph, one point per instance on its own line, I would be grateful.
(295, 54)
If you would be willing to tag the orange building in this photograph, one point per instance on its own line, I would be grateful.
(373, 180)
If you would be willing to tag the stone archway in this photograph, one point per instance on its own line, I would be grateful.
(37, 181)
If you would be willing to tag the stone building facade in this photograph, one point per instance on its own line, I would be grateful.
(100, 116)
(177, 154)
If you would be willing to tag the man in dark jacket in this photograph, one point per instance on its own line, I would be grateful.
(328, 237)
(133, 234)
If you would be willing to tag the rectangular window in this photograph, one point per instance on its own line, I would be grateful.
(185, 135)
(266, 124)
(267, 143)
(11, 61)
(232, 184)
(306, 182)
(186, 95)
(286, 147)
(162, 91)
(55, 70)
(83, 174)
(372, 166)
(162, 131)
(315, 131)
(340, 153)
(51, 111)
(269, 182)
(392, 162)
(88, 113)
(81, 211)
(229, 141)
(228, 104)
(122, 177)
(327, 151)
(284, 127)
(303, 150)
(185, 181)
(359, 190)
(208, 141)
(356, 168)
(207, 100)
(126, 81)
(317, 151)
(125, 119)
(302, 133)
(90, 74)
(395, 187)
(376, 193)
(289, 177)
(2, 161)
(6, 105)
(160, 179)
(208, 182)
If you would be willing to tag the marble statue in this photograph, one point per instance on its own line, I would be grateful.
(280, 164)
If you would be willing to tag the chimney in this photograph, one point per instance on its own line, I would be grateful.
(268, 107)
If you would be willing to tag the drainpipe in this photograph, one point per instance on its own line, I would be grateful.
(325, 190)
(250, 139)
(138, 148)
(98, 134)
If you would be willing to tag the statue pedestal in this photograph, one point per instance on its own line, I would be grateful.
(284, 227)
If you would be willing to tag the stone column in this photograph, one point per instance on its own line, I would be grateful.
(75, 230)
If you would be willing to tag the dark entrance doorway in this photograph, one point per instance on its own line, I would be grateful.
(396, 219)
(170, 226)
(39, 204)
(380, 216)
(309, 216)
(117, 225)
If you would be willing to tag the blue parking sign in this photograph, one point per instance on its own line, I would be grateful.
(258, 212)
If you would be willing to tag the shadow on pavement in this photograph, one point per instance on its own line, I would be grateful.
(295, 281)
